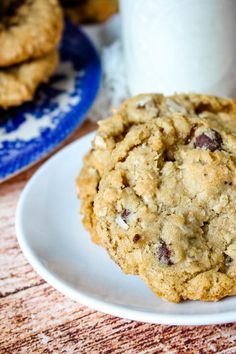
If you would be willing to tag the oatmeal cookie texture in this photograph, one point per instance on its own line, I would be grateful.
(19, 83)
(29, 30)
(158, 191)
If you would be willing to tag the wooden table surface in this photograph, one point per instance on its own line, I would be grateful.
(35, 318)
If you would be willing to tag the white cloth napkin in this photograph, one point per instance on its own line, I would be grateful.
(113, 91)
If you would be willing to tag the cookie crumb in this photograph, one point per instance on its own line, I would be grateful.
(99, 142)
(121, 222)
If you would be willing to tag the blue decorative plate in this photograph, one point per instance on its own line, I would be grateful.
(31, 131)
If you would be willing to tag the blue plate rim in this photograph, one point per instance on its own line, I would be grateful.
(16, 167)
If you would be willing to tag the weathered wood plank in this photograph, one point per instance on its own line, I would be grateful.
(35, 318)
(15, 271)
(42, 319)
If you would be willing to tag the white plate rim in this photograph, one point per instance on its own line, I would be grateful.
(90, 301)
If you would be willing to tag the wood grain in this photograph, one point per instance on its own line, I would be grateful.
(35, 318)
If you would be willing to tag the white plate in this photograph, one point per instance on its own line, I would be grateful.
(52, 237)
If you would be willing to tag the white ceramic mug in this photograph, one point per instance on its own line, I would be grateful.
(180, 45)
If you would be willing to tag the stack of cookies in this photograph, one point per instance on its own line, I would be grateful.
(87, 11)
(30, 31)
(158, 192)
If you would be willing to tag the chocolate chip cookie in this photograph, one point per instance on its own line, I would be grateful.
(29, 30)
(19, 83)
(158, 191)
(111, 131)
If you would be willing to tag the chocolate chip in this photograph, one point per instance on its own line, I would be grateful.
(211, 142)
(228, 260)
(125, 214)
(229, 183)
(168, 156)
(203, 107)
(227, 108)
(164, 253)
(125, 181)
(136, 238)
